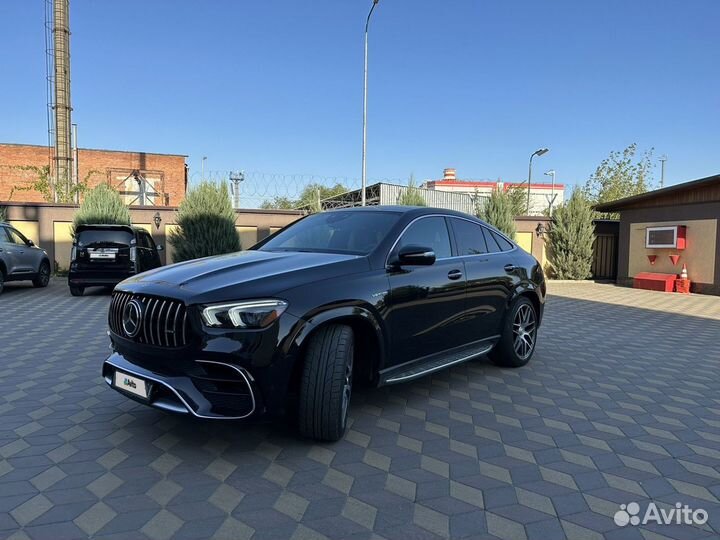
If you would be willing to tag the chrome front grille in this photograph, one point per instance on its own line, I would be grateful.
(163, 322)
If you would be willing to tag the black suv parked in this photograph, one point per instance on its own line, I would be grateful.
(379, 295)
(21, 259)
(104, 255)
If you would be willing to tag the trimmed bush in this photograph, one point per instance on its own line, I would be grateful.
(102, 206)
(206, 224)
(498, 211)
(571, 237)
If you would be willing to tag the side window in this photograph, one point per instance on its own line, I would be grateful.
(469, 237)
(148, 241)
(15, 237)
(492, 245)
(502, 242)
(4, 237)
(431, 232)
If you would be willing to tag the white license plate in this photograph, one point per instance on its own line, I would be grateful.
(131, 384)
(102, 256)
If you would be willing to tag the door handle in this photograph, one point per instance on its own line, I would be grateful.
(510, 267)
(454, 274)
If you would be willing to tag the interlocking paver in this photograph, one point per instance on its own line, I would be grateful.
(620, 404)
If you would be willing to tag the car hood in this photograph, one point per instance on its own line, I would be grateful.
(245, 274)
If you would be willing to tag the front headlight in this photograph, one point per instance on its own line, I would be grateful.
(246, 314)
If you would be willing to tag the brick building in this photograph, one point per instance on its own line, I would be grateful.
(165, 175)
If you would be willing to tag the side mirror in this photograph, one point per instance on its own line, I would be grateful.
(159, 247)
(415, 255)
(30, 243)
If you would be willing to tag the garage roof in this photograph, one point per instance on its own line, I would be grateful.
(696, 191)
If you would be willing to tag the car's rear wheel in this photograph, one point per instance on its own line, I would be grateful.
(43, 277)
(519, 336)
(326, 384)
(76, 290)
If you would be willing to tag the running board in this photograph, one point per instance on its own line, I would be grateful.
(433, 365)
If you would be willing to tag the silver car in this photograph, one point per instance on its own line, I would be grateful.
(21, 259)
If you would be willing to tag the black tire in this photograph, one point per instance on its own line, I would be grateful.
(76, 290)
(326, 384)
(2, 280)
(520, 324)
(43, 277)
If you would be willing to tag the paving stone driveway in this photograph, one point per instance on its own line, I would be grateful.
(620, 404)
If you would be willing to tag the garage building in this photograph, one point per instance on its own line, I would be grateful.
(663, 229)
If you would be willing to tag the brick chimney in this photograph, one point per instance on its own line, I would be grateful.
(450, 174)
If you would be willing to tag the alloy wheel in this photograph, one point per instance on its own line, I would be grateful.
(44, 274)
(524, 330)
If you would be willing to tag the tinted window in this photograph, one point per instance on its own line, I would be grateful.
(428, 232)
(354, 232)
(145, 241)
(492, 245)
(90, 237)
(502, 242)
(4, 237)
(469, 237)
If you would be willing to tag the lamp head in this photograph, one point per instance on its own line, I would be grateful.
(551, 172)
(541, 151)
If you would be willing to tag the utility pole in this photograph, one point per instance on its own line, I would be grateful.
(662, 160)
(365, 105)
(235, 179)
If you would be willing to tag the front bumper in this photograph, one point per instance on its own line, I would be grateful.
(211, 390)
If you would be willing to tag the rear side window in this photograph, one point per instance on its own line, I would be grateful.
(495, 242)
(502, 242)
(430, 232)
(146, 241)
(469, 237)
(4, 236)
(104, 237)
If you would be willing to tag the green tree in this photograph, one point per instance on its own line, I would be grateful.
(411, 196)
(206, 224)
(570, 239)
(310, 198)
(518, 200)
(620, 175)
(101, 205)
(497, 210)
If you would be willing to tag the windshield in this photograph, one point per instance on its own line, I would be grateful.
(353, 232)
(104, 237)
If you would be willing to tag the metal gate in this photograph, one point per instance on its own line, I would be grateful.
(605, 250)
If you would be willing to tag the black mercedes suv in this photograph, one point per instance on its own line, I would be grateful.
(104, 255)
(378, 295)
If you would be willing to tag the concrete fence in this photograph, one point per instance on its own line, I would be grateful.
(49, 226)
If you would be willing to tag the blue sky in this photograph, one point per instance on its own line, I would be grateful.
(276, 86)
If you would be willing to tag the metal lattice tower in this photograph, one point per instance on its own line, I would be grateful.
(57, 41)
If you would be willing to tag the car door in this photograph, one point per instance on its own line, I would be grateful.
(8, 250)
(426, 302)
(489, 284)
(24, 254)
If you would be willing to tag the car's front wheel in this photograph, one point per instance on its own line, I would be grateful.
(76, 290)
(519, 335)
(326, 384)
(43, 277)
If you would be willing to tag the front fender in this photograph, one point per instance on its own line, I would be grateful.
(346, 313)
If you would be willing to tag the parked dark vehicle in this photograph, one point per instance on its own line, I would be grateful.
(104, 255)
(21, 259)
(377, 295)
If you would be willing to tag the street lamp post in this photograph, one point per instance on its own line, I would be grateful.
(365, 102)
(662, 159)
(551, 173)
(538, 152)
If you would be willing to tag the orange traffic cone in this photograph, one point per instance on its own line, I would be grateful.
(684, 274)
